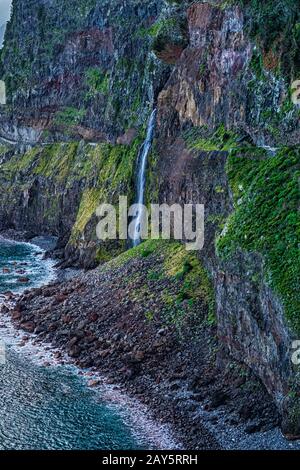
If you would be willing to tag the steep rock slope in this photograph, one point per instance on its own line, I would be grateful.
(84, 73)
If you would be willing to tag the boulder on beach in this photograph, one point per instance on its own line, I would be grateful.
(24, 280)
(4, 309)
(93, 383)
(28, 326)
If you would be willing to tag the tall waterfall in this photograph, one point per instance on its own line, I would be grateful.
(141, 176)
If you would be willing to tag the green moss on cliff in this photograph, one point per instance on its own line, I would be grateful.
(166, 32)
(273, 24)
(200, 138)
(152, 187)
(31, 45)
(99, 173)
(109, 251)
(97, 82)
(114, 177)
(55, 161)
(19, 163)
(69, 117)
(266, 218)
(181, 269)
(88, 205)
(183, 265)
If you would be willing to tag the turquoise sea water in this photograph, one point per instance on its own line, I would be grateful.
(22, 260)
(48, 407)
(51, 408)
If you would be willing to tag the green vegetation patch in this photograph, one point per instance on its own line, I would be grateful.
(105, 171)
(164, 31)
(88, 205)
(186, 267)
(185, 282)
(53, 161)
(114, 177)
(56, 161)
(200, 138)
(19, 163)
(97, 82)
(29, 49)
(266, 218)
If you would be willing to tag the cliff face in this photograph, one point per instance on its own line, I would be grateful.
(216, 89)
(81, 83)
(80, 70)
(77, 73)
(224, 78)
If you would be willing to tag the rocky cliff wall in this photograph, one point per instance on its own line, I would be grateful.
(220, 74)
(213, 113)
(80, 69)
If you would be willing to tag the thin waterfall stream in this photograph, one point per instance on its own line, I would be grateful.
(141, 176)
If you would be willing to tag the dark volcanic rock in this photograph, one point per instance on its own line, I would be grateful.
(28, 326)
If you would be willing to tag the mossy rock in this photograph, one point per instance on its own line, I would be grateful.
(185, 271)
(169, 38)
(266, 218)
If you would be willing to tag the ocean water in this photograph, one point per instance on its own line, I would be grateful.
(48, 407)
(51, 408)
(22, 260)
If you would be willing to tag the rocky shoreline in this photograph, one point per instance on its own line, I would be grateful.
(99, 322)
(136, 416)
